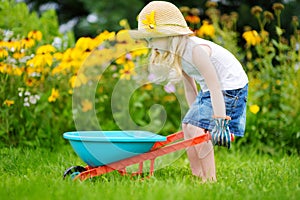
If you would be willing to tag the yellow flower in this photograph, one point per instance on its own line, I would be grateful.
(122, 59)
(67, 55)
(101, 89)
(265, 86)
(147, 86)
(140, 52)
(85, 44)
(252, 38)
(78, 80)
(254, 109)
(3, 67)
(264, 34)
(27, 43)
(18, 55)
(12, 45)
(150, 21)
(206, 30)
(58, 56)
(35, 34)
(73, 57)
(124, 23)
(48, 48)
(86, 105)
(30, 81)
(17, 71)
(278, 82)
(105, 35)
(40, 60)
(169, 98)
(59, 69)
(127, 71)
(54, 95)
(3, 53)
(8, 102)
(123, 37)
(104, 56)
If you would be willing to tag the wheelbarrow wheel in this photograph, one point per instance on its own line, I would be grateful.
(73, 171)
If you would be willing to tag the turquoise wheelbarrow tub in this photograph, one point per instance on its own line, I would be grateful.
(98, 148)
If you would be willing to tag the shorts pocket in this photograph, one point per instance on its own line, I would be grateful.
(228, 94)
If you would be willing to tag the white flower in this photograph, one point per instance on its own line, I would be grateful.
(29, 99)
(57, 42)
(8, 34)
(21, 90)
(32, 99)
(24, 59)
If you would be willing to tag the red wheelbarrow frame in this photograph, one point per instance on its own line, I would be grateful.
(174, 142)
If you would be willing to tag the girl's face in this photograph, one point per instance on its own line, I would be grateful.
(158, 43)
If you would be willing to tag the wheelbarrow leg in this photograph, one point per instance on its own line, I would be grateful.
(140, 170)
(141, 165)
(152, 166)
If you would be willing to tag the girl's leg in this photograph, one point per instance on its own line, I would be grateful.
(201, 156)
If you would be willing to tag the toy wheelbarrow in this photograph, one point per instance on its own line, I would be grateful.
(107, 151)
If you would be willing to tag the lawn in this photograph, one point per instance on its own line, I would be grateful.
(37, 174)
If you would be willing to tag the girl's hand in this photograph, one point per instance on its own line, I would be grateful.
(221, 134)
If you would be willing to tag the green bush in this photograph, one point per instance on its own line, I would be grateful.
(17, 18)
(26, 116)
(274, 74)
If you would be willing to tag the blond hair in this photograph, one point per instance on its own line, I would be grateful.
(165, 65)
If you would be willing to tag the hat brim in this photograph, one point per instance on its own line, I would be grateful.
(157, 33)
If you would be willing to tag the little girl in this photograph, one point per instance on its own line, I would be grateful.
(220, 106)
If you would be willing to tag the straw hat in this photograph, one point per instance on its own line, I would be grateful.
(160, 19)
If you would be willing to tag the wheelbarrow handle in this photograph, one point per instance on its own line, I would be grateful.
(170, 138)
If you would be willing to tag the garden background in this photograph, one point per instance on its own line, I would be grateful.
(39, 67)
(52, 53)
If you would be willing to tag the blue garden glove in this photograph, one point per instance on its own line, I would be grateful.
(221, 134)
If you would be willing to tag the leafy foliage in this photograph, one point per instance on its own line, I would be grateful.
(17, 18)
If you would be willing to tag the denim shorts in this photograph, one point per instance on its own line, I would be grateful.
(201, 112)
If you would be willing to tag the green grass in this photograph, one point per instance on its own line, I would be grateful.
(37, 174)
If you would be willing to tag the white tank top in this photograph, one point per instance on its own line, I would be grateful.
(229, 70)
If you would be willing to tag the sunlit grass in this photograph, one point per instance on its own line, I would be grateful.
(37, 174)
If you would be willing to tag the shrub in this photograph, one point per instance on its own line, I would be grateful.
(17, 18)
(272, 64)
(27, 117)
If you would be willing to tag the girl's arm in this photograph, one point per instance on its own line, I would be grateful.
(207, 70)
(190, 88)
